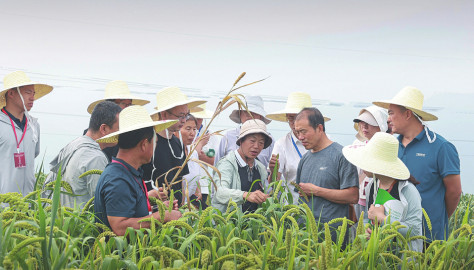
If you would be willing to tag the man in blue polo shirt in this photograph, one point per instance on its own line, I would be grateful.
(121, 196)
(431, 159)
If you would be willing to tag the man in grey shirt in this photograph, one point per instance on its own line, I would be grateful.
(84, 154)
(329, 181)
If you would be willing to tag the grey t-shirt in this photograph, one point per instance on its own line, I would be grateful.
(329, 169)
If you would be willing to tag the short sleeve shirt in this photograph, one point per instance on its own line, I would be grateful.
(120, 193)
(329, 169)
(429, 163)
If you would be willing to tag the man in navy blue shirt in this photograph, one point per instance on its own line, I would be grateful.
(121, 199)
(431, 159)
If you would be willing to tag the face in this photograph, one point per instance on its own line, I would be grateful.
(290, 118)
(244, 116)
(368, 130)
(123, 103)
(309, 137)
(106, 130)
(147, 147)
(252, 145)
(28, 93)
(188, 132)
(176, 113)
(397, 118)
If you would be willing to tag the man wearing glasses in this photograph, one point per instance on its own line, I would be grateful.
(172, 104)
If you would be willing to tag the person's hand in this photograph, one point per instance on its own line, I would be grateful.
(198, 194)
(153, 193)
(376, 212)
(162, 194)
(173, 215)
(256, 196)
(308, 189)
(175, 204)
(368, 232)
(204, 141)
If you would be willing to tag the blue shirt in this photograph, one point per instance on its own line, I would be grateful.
(120, 193)
(429, 163)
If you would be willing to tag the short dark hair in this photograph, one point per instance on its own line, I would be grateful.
(314, 116)
(104, 113)
(131, 139)
(191, 117)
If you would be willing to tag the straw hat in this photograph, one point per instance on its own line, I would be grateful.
(133, 118)
(18, 79)
(117, 90)
(410, 98)
(255, 105)
(379, 156)
(295, 103)
(201, 112)
(374, 116)
(170, 97)
(252, 127)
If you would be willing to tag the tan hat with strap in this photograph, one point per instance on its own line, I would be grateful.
(170, 97)
(19, 79)
(295, 103)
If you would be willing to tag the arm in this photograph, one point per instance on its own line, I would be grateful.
(341, 196)
(452, 183)
(120, 224)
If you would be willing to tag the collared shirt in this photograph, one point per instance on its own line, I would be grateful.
(120, 193)
(289, 159)
(429, 163)
(21, 124)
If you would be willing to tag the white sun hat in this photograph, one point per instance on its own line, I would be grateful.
(201, 112)
(374, 116)
(19, 79)
(295, 103)
(133, 118)
(117, 90)
(254, 104)
(170, 97)
(254, 126)
(379, 156)
(410, 98)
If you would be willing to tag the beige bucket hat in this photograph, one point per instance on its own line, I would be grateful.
(117, 90)
(379, 156)
(254, 126)
(201, 112)
(410, 98)
(295, 103)
(170, 97)
(133, 118)
(255, 105)
(19, 79)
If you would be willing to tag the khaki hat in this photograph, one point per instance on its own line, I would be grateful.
(254, 126)
(133, 118)
(295, 103)
(117, 90)
(19, 79)
(379, 156)
(410, 98)
(255, 105)
(201, 112)
(170, 97)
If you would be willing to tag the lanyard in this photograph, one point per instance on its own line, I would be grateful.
(144, 189)
(199, 131)
(14, 131)
(294, 144)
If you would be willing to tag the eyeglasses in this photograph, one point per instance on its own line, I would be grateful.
(290, 119)
(180, 117)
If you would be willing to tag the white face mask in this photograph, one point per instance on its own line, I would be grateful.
(28, 117)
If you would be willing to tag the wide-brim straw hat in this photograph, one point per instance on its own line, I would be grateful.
(117, 90)
(254, 126)
(379, 156)
(19, 79)
(254, 104)
(410, 98)
(170, 97)
(133, 118)
(295, 103)
(374, 116)
(201, 112)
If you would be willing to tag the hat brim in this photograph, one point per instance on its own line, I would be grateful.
(359, 156)
(193, 102)
(281, 115)
(268, 138)
(158, 126)
(135, 101)
(234, 116)
(425, 116)
(204, 114)
(40, 91)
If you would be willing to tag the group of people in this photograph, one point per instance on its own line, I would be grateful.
(389, 178)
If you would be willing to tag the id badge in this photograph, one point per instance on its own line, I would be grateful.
(19, 160)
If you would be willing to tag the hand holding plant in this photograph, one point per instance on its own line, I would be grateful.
(376, 212)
